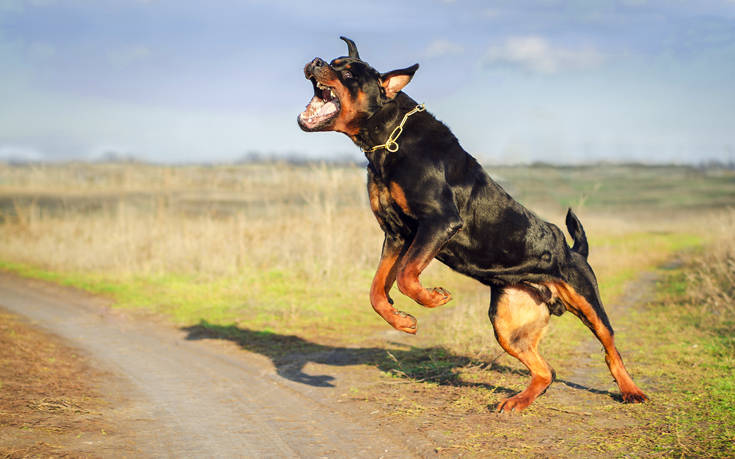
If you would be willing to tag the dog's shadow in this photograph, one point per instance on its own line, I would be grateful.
(290, 354)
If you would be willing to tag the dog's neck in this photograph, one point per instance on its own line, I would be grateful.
(379, 125)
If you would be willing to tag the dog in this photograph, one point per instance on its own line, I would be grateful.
(433, 200)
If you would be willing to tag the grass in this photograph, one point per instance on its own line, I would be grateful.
(687, 336)
(273, 299)
(279, 259)
(291, 249)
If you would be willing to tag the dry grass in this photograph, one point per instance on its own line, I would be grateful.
(311, 227)
(711, 279)
(146, 220)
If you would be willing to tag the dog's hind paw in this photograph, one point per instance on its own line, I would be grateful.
(516, 403)
(634, 397)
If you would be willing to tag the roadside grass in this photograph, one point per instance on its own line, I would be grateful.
(272, 301)
(690, 362)
(685, 343)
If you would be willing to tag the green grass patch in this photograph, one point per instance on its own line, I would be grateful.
(663, 245)
(688, 361)
(264, 300)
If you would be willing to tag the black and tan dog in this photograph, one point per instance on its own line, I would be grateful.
(433, 200)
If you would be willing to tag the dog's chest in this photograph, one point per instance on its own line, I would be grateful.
(390, 206)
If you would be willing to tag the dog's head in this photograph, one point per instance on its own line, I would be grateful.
(347, 91)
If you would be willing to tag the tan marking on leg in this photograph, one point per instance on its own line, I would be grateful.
(382, 282)
(396, 192)
(520, 321)
(409, 285)
(580, 307)
(373, 194)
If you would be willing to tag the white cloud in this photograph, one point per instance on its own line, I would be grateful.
(536, 54)
(442, 47)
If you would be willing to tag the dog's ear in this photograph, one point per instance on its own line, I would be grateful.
(351, 47)
(396, 80)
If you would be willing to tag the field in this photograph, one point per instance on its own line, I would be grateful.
(279, 259)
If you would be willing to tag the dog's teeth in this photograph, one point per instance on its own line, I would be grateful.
(332, 93)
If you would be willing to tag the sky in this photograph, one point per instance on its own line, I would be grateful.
(516, 80)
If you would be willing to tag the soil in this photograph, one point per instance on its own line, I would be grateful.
(158, 391)
(54, 403)
(178, 397)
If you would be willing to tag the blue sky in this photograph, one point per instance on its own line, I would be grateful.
(517, 81)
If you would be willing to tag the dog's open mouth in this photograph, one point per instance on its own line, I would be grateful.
(321, 110)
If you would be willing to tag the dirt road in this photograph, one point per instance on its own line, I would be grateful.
(187, 398)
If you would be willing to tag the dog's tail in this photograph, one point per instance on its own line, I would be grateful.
(574, 226)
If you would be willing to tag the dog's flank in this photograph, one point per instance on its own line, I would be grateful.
(433, 200)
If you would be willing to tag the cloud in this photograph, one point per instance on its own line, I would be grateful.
(442, 47)
(536, 54)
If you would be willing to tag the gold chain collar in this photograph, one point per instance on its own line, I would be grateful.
(391, 145)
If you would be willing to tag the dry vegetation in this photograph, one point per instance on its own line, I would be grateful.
(131, 220)
(281, 250)
(711, 279)
(292, 248)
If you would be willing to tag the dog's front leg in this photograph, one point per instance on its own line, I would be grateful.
(432, 234)
(393, 248)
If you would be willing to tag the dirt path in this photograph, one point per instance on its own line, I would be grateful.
(189, 399)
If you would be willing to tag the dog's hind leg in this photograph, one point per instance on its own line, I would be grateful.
(520, 319)
(580, 296)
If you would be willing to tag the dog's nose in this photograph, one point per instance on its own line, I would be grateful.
(316, 63)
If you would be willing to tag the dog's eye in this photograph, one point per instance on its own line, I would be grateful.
(346, 75)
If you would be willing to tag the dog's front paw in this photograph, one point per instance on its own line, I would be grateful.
(436, 296)
(404, 322)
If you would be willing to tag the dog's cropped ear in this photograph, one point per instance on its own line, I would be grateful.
(395, 80)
